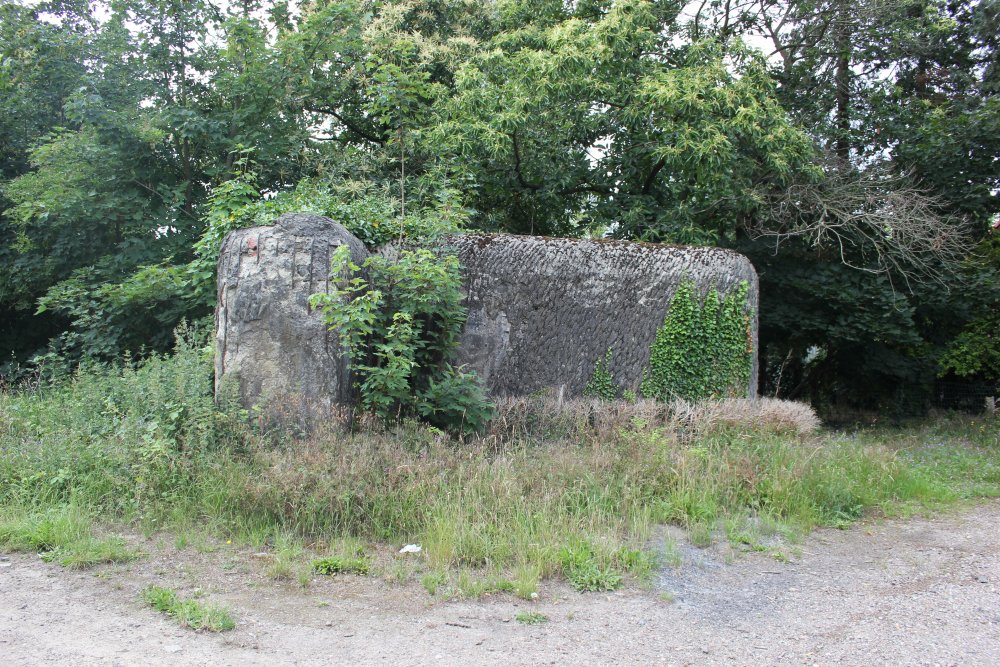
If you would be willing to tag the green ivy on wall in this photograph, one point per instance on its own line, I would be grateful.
(602, 383)
(704, 348)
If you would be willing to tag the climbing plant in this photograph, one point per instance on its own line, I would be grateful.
(399, 323)
(704, 348)
(602, 383)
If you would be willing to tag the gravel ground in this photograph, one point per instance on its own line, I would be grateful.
(913, 592)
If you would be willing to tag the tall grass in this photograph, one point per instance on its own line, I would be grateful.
(573, 488)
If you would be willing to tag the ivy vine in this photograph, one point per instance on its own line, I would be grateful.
(704, 348)
(602, 383)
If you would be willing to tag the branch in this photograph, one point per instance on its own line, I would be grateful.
(876, 221)
(647, 185)
(350, 125)
(517, 166)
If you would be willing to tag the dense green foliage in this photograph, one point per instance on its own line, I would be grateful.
(855, 165)
(704, 348)
(399, 325)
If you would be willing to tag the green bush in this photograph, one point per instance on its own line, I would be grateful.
(400, 325)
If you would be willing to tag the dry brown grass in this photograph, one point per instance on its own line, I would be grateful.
(770, 414)
(548, 417)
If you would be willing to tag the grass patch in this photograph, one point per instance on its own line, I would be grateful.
(289, 561)
(434, 581)
(189, 613)
(341, 565)
(575, 491)
(531, 617)
(526, 579)
(63, 535)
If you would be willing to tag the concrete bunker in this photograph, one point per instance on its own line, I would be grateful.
(541, 311)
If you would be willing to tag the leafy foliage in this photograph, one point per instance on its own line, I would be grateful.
(975, 350)
(400, 325)
(602, 383)
(704, 348)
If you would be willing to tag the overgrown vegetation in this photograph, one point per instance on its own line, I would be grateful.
(62, 534)
(574, 492)
(399, 325)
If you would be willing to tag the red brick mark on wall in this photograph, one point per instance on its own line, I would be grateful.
(252, 246)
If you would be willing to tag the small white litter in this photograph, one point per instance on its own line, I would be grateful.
(410, 549)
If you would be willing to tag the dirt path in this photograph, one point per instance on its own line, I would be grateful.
(920, 592)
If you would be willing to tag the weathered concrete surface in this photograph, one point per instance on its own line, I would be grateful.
(542, 311)
(268, 340)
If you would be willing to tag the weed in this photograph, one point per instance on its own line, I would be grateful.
(640, 563)
(526, 578)
(583, 570)
(472, 586)
(400, 572)
(189, 613)
(700, 534)
(744, 533)
(341, 565)
(433, 581)
(531, 617)
(289, 561)
(671, 553)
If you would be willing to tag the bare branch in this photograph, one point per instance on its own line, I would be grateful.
(876, 221)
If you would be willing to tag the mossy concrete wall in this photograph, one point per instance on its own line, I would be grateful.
(542, 311)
